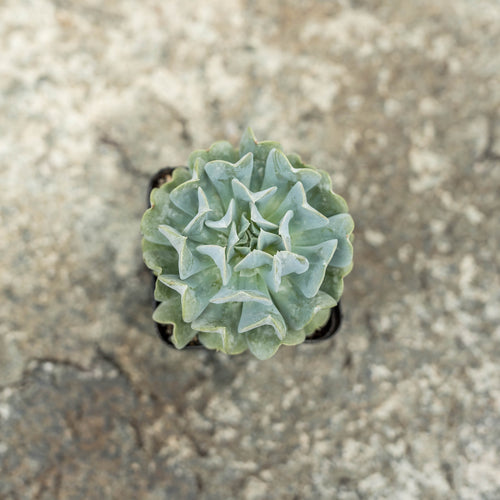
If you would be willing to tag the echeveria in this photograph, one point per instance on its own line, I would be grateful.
(249, 246)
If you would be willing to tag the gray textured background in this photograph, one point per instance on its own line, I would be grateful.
(399, 100)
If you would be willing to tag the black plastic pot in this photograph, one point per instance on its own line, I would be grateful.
(331, 327)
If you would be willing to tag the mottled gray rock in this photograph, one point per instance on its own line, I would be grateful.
(399, 100)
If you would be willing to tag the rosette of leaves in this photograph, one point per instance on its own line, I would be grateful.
(250, 247)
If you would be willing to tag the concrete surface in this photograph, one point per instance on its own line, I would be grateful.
(399, 100)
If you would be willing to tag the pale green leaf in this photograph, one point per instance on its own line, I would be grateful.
(169, 313)
(263, 342)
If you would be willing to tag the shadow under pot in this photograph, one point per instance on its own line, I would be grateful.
(327, 331)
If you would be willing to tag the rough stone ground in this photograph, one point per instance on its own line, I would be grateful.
(399, 100)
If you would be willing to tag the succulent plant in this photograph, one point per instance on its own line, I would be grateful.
(249, 246)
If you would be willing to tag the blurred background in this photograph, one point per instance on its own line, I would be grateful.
(399, 101)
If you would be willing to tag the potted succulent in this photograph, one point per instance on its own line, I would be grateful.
(248, 247)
